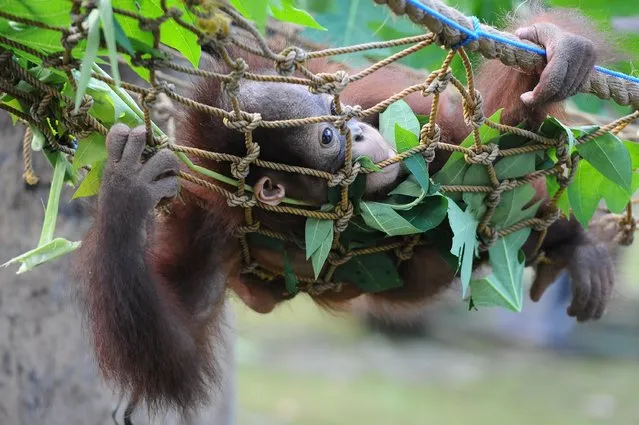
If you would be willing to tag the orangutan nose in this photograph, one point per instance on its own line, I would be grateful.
(356, 131)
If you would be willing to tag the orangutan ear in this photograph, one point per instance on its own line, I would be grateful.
(268, 192)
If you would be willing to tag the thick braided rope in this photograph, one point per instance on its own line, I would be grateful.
(454, 29)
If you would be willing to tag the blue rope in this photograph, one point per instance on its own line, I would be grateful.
(471, 37)
(477, 33)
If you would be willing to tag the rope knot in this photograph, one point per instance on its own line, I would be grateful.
(565, 180)
(39, 111)
(149, 98)
(320, 287)
(563, 154)
(439, 85)
(348, 113)
(494, 197)
(245, 122)
(232, 86)
(473, 112)
(430, 135)
(332, 84)
(71, 38)
(489, 153)
(76, 120)
(337, 259)
(405, 252)
(488, 238)
(240, 169)
(289, 59)
(234, 200)
(345, 178)
(247, 228)
(344, 215)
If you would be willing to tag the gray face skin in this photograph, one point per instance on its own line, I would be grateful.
(317, 146)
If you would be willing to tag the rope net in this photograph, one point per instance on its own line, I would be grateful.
(216, 26)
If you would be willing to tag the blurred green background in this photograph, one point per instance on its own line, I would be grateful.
(301, 365)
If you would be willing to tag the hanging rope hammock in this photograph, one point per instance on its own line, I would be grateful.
(58, 95)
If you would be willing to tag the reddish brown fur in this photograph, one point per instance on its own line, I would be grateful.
(149, 335)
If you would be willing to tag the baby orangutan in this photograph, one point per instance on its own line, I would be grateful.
(153, 288)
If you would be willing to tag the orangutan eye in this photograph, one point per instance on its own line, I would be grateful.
(327, 136)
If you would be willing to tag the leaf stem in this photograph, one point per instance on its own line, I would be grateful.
(51, 212)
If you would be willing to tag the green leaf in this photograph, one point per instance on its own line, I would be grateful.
(48, 248)
(107, 105)
(490, 292)
(610, 157)
(429, 214)
(70, 176)
(90, 185)
(464, 244)
(90, 54)
(409, 187)
(368, 164)
(285, 10)
(515, 166)
(38, 140)
(172, 34)
(317, 231)
(15, 103)
(397, 113)
(108, 29)
(321, 254)
(43, 254)
(48, 12)
(51, 212)
(633, 150)
(405, 139)
(476, 175)
(90, 150)
(563, 203)
(584, 192)
(371, 273)
(416, 164)
(616, 198)
(588, 188)
(508, 263)
(511, 208)
(400, 203)
(355, 191)
(486, 134)
(358, 234)
(452, 175)
(290, 279)
(121, 38)
(255, 10)
(384, 218)
(422, 119)
(552, 128)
